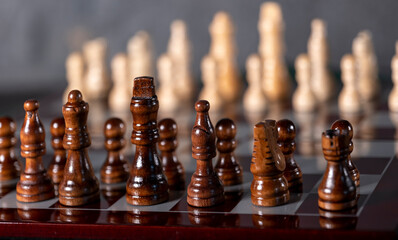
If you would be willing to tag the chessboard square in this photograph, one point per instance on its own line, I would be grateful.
(371, 165)
(311, 181)
(10, 201)
(245, 206)
(122, 205)
(373, 148)
(310, 204)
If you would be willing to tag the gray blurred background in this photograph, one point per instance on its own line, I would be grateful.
(37, 35)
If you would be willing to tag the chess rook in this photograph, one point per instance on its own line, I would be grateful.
(205, 188)
(34, 184)
(269, 186)
(147, 184)
(115, 168)
(337, 190)
(167, 145)
(227, 168)
(287, 144)
(10, 166)
(79, 184)
(345, 127)
(56, 168)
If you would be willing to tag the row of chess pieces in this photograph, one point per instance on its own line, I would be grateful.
(268, 79)
(149, 178)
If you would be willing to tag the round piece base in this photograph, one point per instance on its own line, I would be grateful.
(78, 201)
(23, 197)
(205, 202)
(147, 200)
(336, 206)
(270, 202)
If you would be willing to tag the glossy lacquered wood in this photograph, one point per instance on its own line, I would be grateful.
(147, 185)
(10, 165)
(269, 187)
(167, 145)
(227, 167)
(287, 144)
(34, 185)
(56, 168)
(205, 188)
(337, 191)
(79, 185)
(115, 168)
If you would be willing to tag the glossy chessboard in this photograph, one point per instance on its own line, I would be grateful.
(376, 215)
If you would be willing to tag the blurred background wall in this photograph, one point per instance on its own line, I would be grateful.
(37, 35)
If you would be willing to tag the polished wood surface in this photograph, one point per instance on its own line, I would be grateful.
(345, 127)
(205, 188)
(337, 191)
(56, 168)
(147, 185)
(167, 145)
(79, 185)
(287, 144)
(269, 187)
(34, 185)
(115, 168)
(227, 167)
(10, 165)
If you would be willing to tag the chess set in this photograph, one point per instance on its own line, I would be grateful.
(127, 160)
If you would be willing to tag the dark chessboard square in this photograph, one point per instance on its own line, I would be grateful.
(310, 204)
(309, 181)
(371, 165)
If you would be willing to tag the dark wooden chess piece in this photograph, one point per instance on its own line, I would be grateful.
(34, 185)
(287, 144)
(115, 168)
(345, 127)
(79, 184)
(10, 166)
(147, 184)
(56, 168)
(337, 190)
(227, 167)
(167, 145)
(205, 188)
(269, 186)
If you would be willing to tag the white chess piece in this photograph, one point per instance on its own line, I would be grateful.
(254, 99)
(119, 99)
(393, 97)
(318, 51)
(168, 99)
(74, 74)
(304, 99)
(97, 84)
(366, 63)
(140, 55)
(349, 98)
(210, 91)
(223, 50)
(179, 50)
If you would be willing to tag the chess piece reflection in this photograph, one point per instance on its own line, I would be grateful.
(34, 184)
(10, 166)
(56, 168)
(207, 217)
(275, 221)
(139, 217)
(338, 219)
